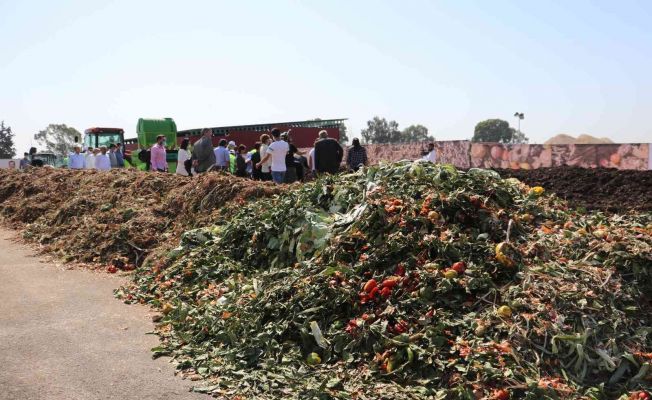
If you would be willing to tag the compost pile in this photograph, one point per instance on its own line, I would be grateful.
(605, 189)
(408, 280)
(117, 217)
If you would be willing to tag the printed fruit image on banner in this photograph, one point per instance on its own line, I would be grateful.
(517, 156)
(532, 156)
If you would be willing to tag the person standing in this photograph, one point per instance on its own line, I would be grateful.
(311, 158)
(265, 169)
(90, 158)
(183, 159)
(24, 162)
(232, 155)
(159, 155)
(432, 153)
(241, 162)
(112, 157)
(222, 157)
(119, 156)
(328, 154)
(76, 160)
(256, 173)
(276, 151)
(291, 173)
(102, 160)
(203, 156)
(145, 156)
(357, 156)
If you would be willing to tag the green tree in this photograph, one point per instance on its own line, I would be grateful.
(497, 130)
(7, 149)
(379, 130)
(416, 133)
(519, 137)
(57, 138)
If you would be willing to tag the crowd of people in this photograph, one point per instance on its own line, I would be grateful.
(102, 158)
(273, 158)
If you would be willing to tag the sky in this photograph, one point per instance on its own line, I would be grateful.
(570, 66)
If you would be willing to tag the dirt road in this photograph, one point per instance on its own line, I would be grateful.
(64, 336)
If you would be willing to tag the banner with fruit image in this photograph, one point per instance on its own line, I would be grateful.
(530, 156)
(464, 154)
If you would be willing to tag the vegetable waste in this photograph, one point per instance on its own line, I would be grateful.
(116, 219)
(400, 282)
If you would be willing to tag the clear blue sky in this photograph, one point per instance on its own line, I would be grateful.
(570, 66)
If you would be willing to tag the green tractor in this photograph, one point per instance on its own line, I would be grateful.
(148, 130)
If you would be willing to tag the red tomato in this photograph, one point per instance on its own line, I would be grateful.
(112, 269)
(386, 292)
(400, 327)
(500, 394)
(370, 285)
(373, 292)
(459, 267)
(390, 282)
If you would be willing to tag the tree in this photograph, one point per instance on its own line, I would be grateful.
(7, 149)
(57, 138)
(519, 137)
(380, 131)
(497, 130)
(416, 133)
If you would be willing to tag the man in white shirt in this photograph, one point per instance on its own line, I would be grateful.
(90, 158)
(102, 160)
(222, 156)
(277, 152)
(265, 169)
(76, 160)
(432, 153)
(311, 159)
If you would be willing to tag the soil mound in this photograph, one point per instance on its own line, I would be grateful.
(604, 189)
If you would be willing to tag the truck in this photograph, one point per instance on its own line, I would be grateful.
(43, 158)
(147, 131)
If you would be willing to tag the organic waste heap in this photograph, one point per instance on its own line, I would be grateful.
(408, 281)
(116, 218)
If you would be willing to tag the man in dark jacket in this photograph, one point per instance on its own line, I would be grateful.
(328, 154)
(203, 156)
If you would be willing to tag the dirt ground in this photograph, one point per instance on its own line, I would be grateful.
(595, 189)
(63, 336)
